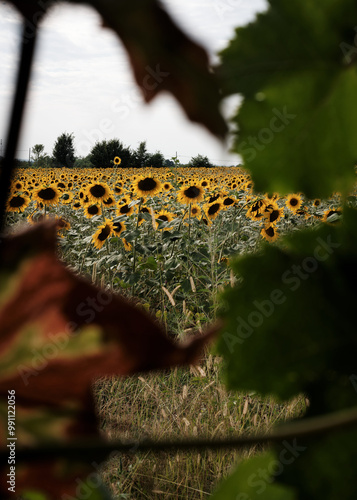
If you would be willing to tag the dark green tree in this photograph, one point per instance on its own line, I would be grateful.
(141, 156)
(200, 161)
(63, 151)
(83, 162)
(157, 160)
(39, 158)
(103, 153)
(37, 152)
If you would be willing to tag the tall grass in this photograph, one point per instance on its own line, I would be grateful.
(179, 404)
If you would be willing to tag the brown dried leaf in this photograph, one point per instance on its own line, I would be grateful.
(58, 332)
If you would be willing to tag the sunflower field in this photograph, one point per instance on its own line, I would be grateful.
(163, 236)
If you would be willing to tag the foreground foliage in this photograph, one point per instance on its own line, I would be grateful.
(286, 323)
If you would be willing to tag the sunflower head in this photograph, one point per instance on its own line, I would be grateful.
(124, 209)
(294, 202)
(92, 210)
(164, 216)
(109, 202)
(213, 209)
(270, 233)
(117, 160)
(146, 186)
(102, 234)
(98, 191)
(331, 212)
(127, 245)
(17, 203)
(273, 213)
(192, 193)
(47, 195)
(118, 227)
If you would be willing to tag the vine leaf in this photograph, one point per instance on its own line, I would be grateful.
(289, 329)
(298, 95)
(296, 468)
(253, 479)
(58, 332)
(162, 56)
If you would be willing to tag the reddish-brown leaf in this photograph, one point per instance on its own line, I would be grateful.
(58, 332)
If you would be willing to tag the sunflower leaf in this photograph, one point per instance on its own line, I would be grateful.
(270, 344)
(297, 96)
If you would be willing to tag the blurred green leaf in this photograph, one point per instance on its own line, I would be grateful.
(295, 127)
(254, 479)
(289, 326)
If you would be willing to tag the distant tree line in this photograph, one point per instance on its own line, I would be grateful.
(102, 155)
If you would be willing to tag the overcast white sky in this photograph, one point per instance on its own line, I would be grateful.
(82, 82)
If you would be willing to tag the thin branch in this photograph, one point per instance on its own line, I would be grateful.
(98, 449)
(23, 77)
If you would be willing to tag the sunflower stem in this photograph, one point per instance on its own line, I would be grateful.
(181, 222)
(23, 78)
(134, 247)
(189, 222)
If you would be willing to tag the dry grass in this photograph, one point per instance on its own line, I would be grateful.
(179, 404)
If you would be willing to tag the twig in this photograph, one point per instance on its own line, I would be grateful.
(98, 449)
(23, 79)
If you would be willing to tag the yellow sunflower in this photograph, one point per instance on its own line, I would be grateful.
(98, 191)
(118, 228)
(269, 233)
(273, 213)
(128, 246)
(190, 194)
(205, 183)
(330, 212)
(164, 216)
(167, 186)
(67, 198)
(143, 210)
(195, 212)
(47, 195)
(17, 186)
(293, 202)
(256, 210)
(103, 233)
(117, 160)
(229, 201)
(124, 209)
(76, 205)
(146, 186)
(17, 203)
(213, 209)
(109, 202)
(92, 210)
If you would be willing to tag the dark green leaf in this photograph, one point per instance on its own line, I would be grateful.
(296, 128)
(289, 328)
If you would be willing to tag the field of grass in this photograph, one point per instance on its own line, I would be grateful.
(165, 238)
(179, 404)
